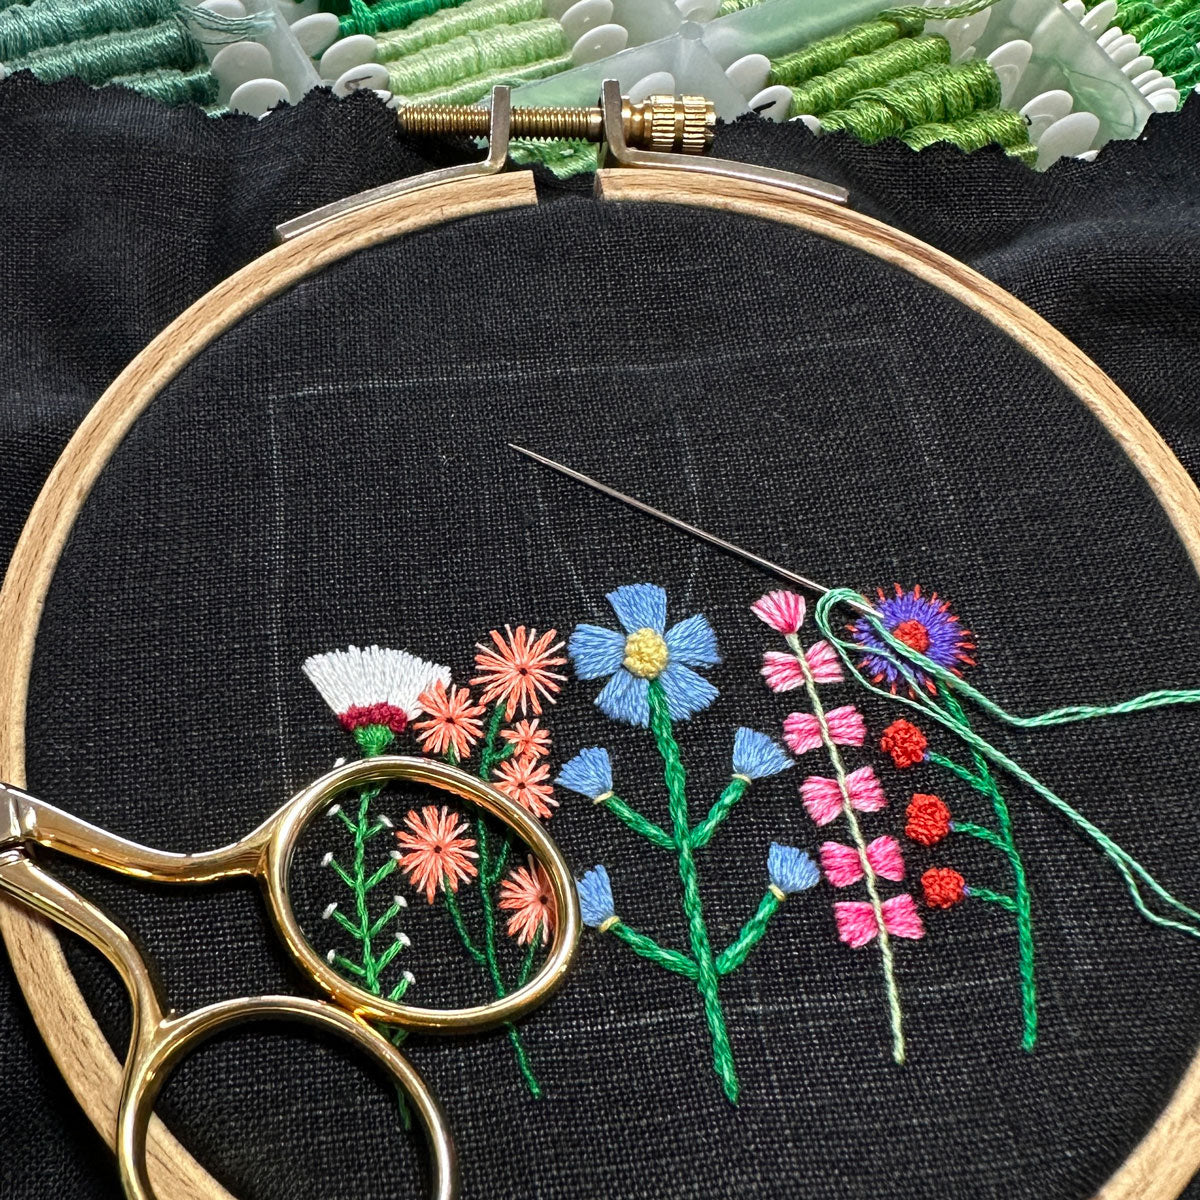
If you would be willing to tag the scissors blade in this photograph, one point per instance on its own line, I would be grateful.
(749, 556)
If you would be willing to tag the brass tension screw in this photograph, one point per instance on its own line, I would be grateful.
(683, 124)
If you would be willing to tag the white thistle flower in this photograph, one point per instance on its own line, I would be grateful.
(373, 686)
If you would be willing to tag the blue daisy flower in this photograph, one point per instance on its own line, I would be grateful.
(923, 623)
(646, 651)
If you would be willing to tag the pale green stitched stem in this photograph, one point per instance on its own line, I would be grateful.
(634, 819)
(648, 948)
(1006, 902)
(735, 789)
(706, 981)
(885, 943)
(751, 934)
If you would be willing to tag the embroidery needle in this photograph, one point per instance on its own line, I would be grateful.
(757, 560)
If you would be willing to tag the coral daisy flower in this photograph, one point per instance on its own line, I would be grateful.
(518, 670)
(924, 624)
(524, 780)
(439, 853)
(527, 894)
(453, 723)
(528, 740)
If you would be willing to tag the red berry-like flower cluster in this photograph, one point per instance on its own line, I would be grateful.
(904, 742)
(928, 819)
(944, 887)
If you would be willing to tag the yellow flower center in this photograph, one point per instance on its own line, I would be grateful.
(646, 654)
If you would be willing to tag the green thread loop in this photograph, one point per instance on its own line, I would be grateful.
(938, 93)
(706, 980)
(1132, 872)
(98, 59)
(886, 957)
(197, 86)
(388, 15)
(455, 22)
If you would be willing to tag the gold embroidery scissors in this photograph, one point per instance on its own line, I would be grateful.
(161, 1037)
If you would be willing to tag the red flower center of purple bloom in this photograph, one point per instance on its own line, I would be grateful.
(913, 634)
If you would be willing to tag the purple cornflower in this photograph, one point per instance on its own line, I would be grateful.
(924, 624)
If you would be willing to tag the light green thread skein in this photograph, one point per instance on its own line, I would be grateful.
(454, 23)
(1000, 126)
(468, 91)
(97, 60)
(475, 54)
(841, 84)
(932, 94)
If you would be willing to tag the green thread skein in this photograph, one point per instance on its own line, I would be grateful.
(1000, 126)
(197, 86)
(97, 60)
(468, 91)
(841, 84)
(390, 14)
(477, 53)
(456, 22)
(932, 94)
(28, 27)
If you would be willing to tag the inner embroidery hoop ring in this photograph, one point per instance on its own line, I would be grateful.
(1168, 1156)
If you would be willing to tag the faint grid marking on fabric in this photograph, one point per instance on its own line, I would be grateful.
(275, 585)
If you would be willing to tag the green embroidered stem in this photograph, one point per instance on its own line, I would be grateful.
(702, 834)
(1020, 904)
(1009, 903)
(647, 947)
(1131, 871)
(751, 933)
(489, 873)
(981, 832)
(459, 924)
(634, 819)
(676, 781)
(887, 960)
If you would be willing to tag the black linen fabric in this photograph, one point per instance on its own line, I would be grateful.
(334, 470)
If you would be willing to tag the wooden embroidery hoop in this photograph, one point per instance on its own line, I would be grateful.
(1159, 1168)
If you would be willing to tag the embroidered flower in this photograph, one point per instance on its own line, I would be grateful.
(755, 756)
(527, 739)
(802, 731)
(595, 898)
(453, 724)
(783, 672)
(527, 894)
(589, 773)
(782, 610)
(790, 870)
(944, 887)
(518, 671)
(439, 852)
(373, 686)
(924, 624)
(928, 819)
(646, 651)
(823, 797)
(524, 780)
(905, 743)
(843, 864)
(857, 924)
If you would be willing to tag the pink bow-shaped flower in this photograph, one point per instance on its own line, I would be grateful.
(783, 672)
(856, 923)
(802, 731)
(823, 797)
(843, 864)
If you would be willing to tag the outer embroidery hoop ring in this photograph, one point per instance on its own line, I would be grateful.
(1168, 1156)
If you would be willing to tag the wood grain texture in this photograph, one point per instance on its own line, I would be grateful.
(1169, 1155)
